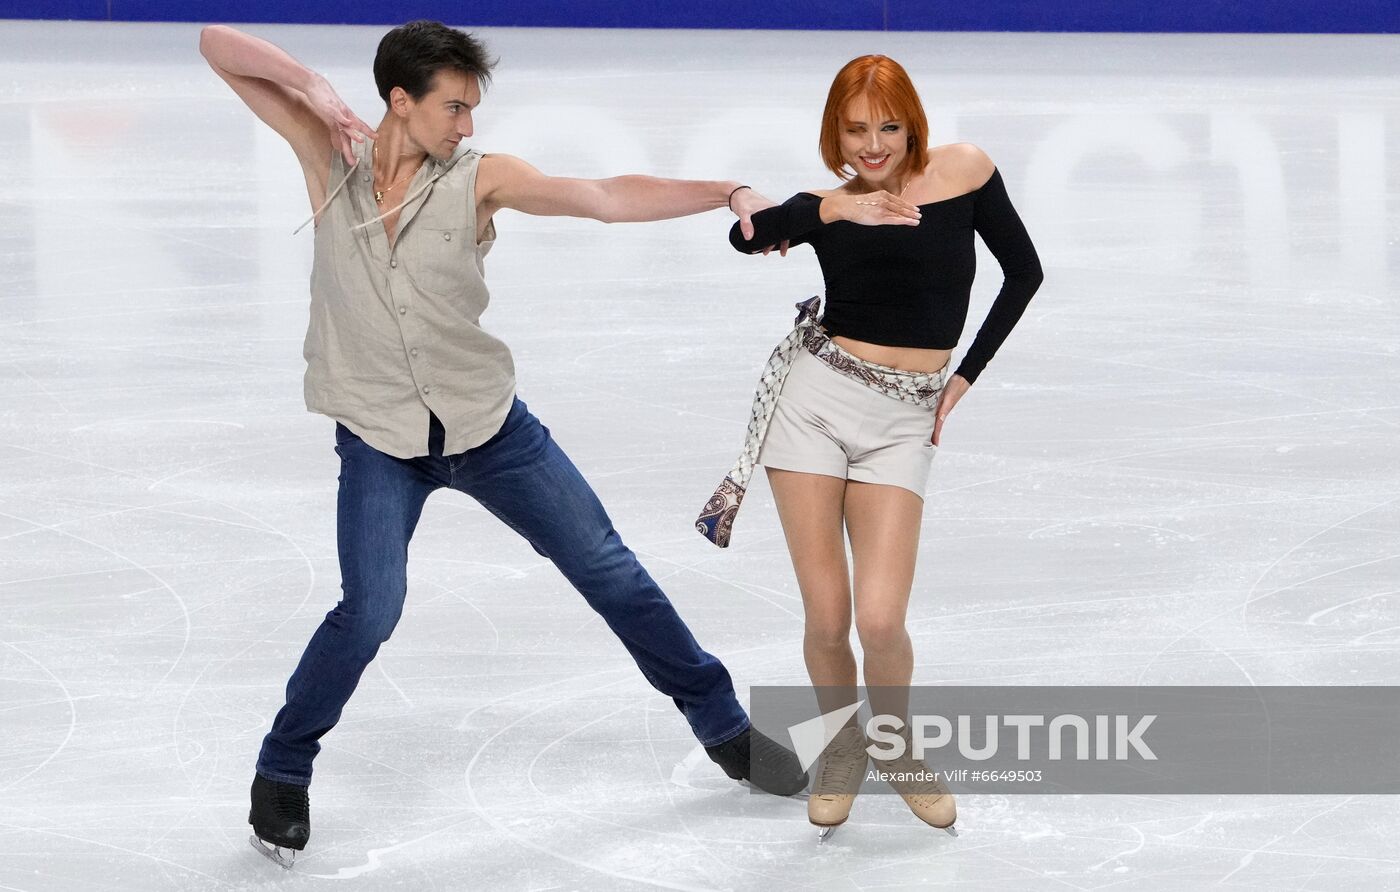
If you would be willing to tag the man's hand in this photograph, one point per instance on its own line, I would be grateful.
(745, 203)
(752, 203)
(343, 124)
(952, 392)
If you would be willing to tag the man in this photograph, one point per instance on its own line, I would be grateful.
(424, 398)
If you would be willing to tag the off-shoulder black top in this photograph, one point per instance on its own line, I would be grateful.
(908, 286)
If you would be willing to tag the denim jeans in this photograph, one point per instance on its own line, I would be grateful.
(522, 477)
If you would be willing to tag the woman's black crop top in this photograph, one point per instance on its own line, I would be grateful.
(908, 286)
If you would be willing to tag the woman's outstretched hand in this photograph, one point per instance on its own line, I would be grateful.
(869, 209)
(952, 392)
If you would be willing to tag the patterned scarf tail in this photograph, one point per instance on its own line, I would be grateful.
(716, 520)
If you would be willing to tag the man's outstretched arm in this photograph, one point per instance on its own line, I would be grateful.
(508, 182)
(290, 98)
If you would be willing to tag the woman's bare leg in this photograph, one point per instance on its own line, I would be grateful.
(883, 524)
(810, 507)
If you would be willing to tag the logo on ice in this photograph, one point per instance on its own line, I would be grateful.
(1092, 738)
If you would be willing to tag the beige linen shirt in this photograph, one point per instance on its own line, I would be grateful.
(395, 332)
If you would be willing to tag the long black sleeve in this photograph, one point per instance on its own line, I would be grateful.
(791, 222)
(1005, 236)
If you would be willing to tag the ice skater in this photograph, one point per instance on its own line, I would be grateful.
(424, 398)
(852, 403)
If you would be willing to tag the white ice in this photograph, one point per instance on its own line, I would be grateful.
(1181, 469)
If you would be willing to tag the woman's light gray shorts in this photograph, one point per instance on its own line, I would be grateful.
(825, 422)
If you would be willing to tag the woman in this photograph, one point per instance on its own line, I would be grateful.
(862, 396)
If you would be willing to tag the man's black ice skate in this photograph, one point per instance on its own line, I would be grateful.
(281, 819)
(761, 761)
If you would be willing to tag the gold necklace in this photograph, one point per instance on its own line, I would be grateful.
(380, 193)
(901, 193)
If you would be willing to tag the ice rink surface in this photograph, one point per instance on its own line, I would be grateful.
(1182, 468)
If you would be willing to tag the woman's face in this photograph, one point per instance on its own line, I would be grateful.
(874, 146)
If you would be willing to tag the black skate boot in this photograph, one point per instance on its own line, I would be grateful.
(761, 761)
(281, 819)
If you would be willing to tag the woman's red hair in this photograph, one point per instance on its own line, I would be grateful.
(886, 84)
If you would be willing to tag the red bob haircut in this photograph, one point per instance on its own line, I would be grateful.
(886, 84)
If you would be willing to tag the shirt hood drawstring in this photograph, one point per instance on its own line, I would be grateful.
(329, 198)
(400, 206)
(444, 167)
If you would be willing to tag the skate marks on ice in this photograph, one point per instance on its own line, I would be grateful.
(533, 835)
(375, 858)
(15, 677)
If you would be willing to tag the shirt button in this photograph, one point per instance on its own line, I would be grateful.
(403, 311)
(425, 390)
(413, 352)
(447, 236)
(366, 178)
(394, 264)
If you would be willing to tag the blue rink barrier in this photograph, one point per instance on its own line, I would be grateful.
(1234, 16)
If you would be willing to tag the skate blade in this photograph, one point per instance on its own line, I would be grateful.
(274, 853)
(824, 834)
(950, 829)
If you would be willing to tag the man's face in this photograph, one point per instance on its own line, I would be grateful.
(443, 117)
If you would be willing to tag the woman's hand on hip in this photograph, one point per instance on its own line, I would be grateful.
(952, 392)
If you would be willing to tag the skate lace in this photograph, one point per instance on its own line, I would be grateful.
(838, 765)
(763, 750)
(291, 802)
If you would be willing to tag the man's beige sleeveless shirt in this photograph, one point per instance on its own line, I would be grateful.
(396, 333)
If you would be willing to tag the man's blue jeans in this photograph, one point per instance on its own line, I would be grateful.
(524, 478)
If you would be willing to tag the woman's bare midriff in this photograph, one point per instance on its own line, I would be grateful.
(909, 359)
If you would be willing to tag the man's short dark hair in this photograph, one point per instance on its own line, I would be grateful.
(411, 55)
